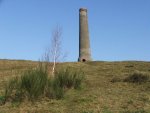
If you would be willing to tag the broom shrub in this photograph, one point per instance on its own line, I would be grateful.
(35, 83)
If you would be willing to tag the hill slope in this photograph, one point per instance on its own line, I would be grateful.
(103, 90)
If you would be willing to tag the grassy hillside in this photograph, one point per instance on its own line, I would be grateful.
(103, 91)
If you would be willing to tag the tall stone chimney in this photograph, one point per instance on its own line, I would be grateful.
(84, 42)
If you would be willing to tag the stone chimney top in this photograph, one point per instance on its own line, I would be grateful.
(83, 9)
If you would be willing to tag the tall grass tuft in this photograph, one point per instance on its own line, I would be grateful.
(36, 83)
(31, 84)
(64, 79)
(53, 91)
(11, 87)
(69, 78)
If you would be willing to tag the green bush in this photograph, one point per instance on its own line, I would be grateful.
(69, 78)
(58, 91)
(137, 77)
(31, 84)
(64, 79)
(36, 83)
(53, 90)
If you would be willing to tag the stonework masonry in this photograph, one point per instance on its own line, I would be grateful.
(84, 41)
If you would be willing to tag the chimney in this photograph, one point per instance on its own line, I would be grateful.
(84, 42)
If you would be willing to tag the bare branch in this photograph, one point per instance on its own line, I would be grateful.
(54, 52)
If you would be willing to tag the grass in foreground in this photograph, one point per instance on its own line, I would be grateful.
(36, 83)
(99, 94)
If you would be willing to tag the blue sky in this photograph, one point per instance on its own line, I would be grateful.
(119, 29)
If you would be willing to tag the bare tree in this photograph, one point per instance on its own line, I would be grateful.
(54, 52)
(56, 47)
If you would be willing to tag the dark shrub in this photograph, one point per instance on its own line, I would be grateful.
(137, 77)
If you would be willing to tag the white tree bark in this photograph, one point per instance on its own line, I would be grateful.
(54, 52)
(56, 47)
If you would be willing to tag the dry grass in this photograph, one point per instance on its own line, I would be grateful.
(98, 95)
